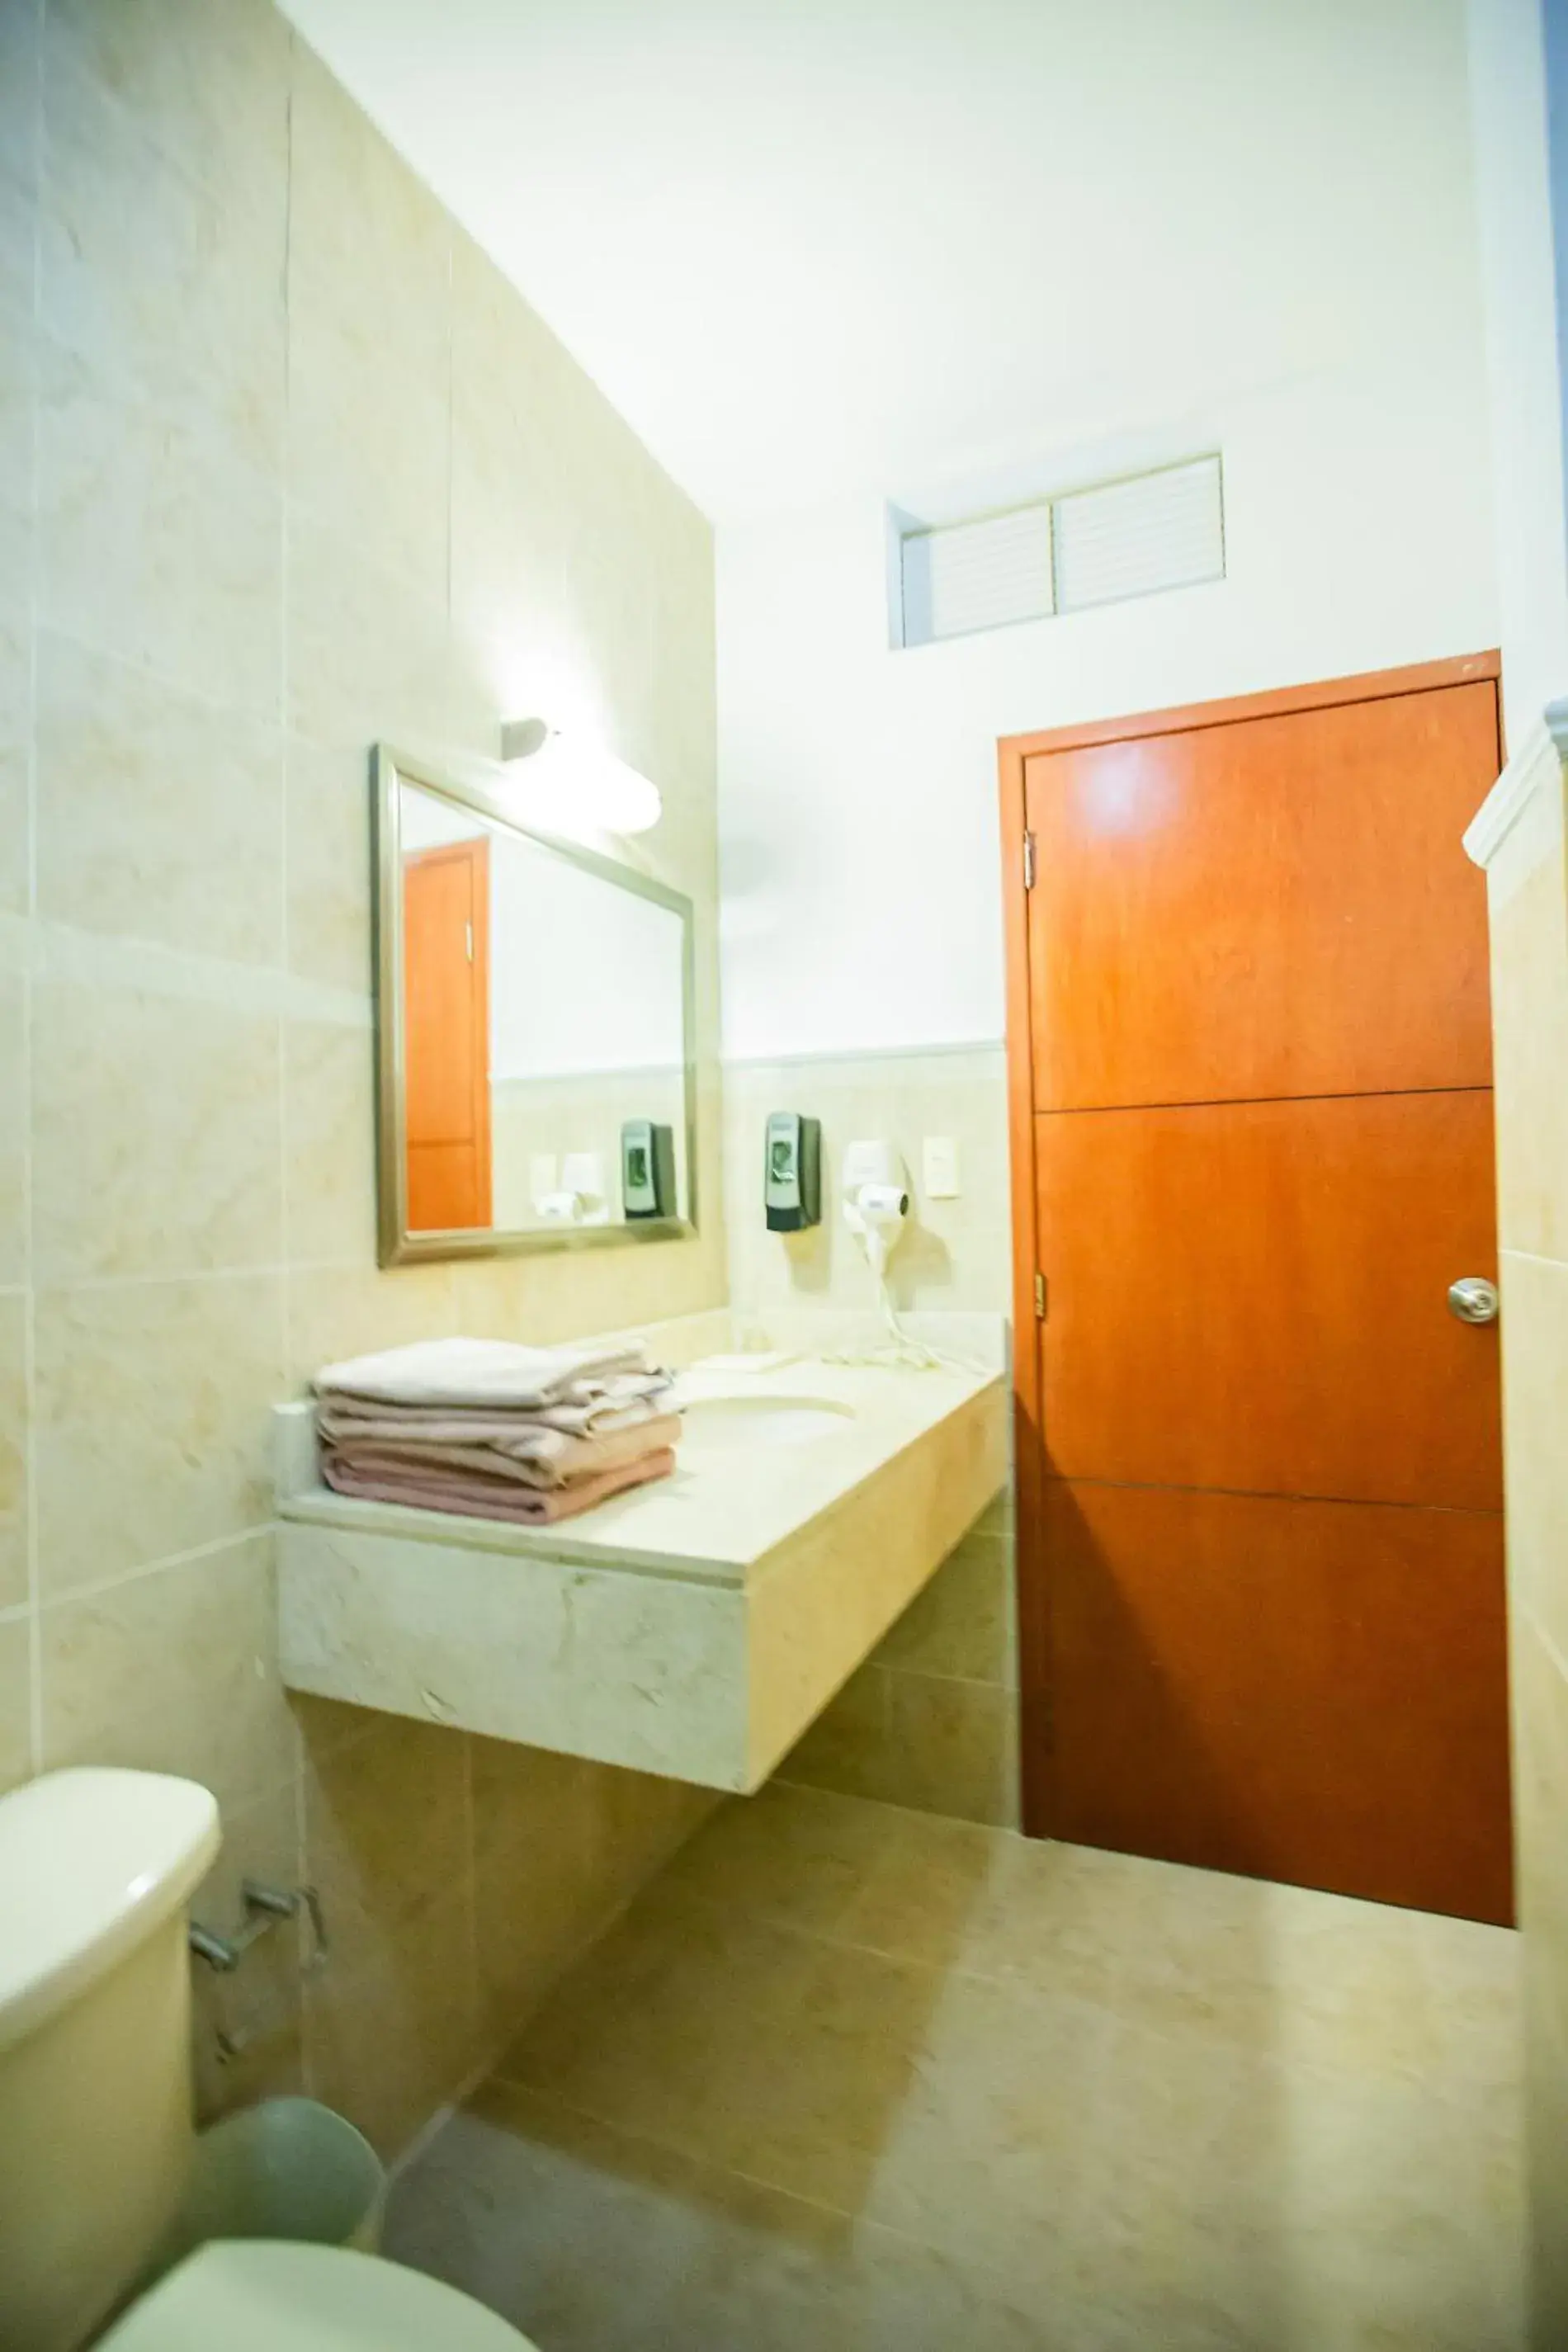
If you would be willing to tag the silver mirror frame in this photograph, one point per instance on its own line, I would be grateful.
(395, 1245)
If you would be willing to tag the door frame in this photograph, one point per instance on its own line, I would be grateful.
(1013, 754)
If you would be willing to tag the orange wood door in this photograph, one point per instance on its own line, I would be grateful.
(1260, 1556)
(1224, 906)
(1253, 1296)
(447, 1051)
(1299, 1690)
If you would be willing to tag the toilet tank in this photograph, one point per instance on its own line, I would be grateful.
(96, 2132)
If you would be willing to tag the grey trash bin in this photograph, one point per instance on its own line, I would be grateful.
(284, 2169)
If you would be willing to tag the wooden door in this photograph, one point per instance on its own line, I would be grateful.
(445, 1034)
(1260, 1461)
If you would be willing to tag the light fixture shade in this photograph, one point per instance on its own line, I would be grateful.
(564, 784)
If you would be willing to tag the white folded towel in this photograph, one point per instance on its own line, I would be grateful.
(498, 1374)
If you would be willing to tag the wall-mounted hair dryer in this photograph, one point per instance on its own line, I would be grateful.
(875, 1200)
(877, 1209)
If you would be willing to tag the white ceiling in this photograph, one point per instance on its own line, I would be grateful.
(809, 246)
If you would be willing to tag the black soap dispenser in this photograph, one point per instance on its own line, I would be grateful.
(647, 1169)
(791, 1172)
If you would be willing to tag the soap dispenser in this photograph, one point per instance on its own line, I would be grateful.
(791, 1172)
(648, 1168)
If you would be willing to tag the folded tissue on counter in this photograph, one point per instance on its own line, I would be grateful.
(492, 1430)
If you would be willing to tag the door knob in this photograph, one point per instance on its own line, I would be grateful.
(1473, 1299)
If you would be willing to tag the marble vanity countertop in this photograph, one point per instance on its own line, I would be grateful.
(726, 1511)
(692, 1628)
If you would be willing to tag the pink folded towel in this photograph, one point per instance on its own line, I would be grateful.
(471, 1495)
(530, 1457)
(485, 1429)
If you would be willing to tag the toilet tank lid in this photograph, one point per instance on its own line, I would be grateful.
(91, 1862)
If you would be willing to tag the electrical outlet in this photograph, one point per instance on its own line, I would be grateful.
(938, 1156)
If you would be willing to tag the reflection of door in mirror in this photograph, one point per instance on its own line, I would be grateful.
(447, 1035)
(533, 1007)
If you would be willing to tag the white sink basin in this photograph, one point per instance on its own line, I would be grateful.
(720, 1423)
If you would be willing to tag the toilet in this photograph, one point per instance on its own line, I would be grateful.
(97, 2136)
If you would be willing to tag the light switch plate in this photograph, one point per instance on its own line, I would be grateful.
(939, 1157)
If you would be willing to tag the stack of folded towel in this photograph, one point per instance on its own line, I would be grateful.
(495, 1431)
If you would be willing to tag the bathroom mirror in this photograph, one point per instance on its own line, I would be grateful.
(535, 1036)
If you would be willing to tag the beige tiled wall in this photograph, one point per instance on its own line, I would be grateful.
(558, 1115)
(932, 1719)
(1528, 895)
(956, 1254)
(285, 468)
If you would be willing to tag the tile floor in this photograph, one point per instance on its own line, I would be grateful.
(848, 2078)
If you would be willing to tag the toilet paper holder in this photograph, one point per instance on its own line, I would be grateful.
(265, 1905)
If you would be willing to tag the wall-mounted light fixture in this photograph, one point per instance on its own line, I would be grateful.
(567, 783)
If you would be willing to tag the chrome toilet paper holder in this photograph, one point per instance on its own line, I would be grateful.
(265, 1905)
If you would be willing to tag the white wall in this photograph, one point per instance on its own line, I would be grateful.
(582, 976)
(858, 787)
(1514, 196)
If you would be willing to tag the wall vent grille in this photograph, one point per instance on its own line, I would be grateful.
(965, 576)
(1102, 545)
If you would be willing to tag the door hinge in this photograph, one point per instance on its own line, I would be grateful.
(1039, 1298)
(1028, 861)
(468, 940)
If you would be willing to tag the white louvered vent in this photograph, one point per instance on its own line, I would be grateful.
(1119, 539)
(977, 575)
(1159, 531)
